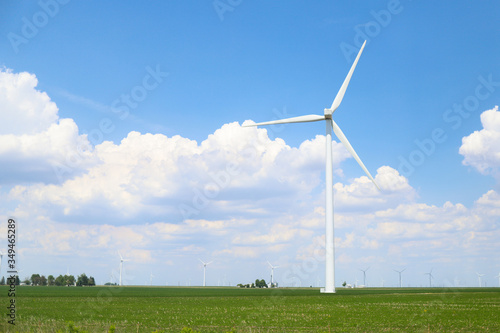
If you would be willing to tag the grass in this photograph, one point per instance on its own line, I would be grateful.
(170, 309)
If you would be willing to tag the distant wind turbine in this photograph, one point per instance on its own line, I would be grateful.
(121, 266)
(1, 257)
(204, 270)
(272, 273)
(327, 117)
(479, 276)
(151, 276)
(364, 275)
(498, 277)
(430, 277)
(399, 272)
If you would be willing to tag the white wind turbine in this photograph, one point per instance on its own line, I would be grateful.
(151, 276)
(430, 277)
(121, 267)
(204, 270)
(364, 275)
(1, 257)
(272, 273)
(479, 276)
(498, 276)
(399, 272)
(327, 117)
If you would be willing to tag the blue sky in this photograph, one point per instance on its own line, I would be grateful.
(135, 109)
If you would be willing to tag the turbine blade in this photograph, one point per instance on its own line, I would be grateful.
(338, 132)
(301, 119)
(343, 88)
(201, 261)
(209, 262)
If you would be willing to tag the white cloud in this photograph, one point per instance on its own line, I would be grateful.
(157, 175)
(24, 109)
(245, 196)
(481, 149)
(361, 194)
(34, 142)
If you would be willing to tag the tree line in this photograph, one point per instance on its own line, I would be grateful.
(258, 284)
(61, 280)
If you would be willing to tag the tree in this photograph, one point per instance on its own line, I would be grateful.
(43, 280)
(27, 281)
(344, 284)
(60, 281)
(69, 280)
(2, 281)
(260, 283)
(35, 279)
(91, 281)
(83, 280)
(51, 280)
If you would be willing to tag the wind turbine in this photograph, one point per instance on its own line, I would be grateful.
(204, 270)
(479, 278)
(399, 272)
(498, 276)
(330, 124)
(430, 277)
(1, 257)
(364, 275)
(272, 273)
(151, 276)
(121, 266)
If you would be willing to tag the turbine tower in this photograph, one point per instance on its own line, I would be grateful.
(121, 267)
(364, 275)
(430, 277)
(330, 124)
(399, 272)
(151, 279)
(204, 270)
(498, 276)
(479, 276)
(272, 273)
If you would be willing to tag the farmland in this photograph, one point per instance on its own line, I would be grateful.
(170, 309)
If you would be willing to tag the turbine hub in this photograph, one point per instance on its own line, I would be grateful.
(328, 113)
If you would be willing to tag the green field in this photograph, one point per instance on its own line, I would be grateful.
(170, 309)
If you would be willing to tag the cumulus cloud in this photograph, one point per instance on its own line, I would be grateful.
(235, 168)
(481, 149)
(237, 195)
(24, 109)
(35, 144)
(362, 195)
